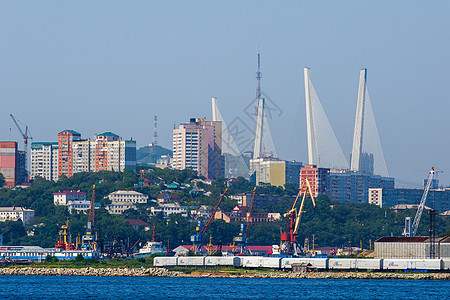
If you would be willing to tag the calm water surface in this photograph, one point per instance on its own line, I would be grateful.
(78, 287)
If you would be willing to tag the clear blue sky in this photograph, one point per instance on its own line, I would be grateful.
(96, 66)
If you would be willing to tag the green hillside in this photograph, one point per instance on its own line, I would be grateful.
(149, 154)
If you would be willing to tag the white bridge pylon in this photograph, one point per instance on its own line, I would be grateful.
(366, 140)
(323, 147)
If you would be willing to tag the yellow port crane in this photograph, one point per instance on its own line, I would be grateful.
(289, 244)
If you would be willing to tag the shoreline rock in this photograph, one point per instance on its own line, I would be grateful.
(162, 272)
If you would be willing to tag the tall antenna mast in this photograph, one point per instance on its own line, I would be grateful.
(258, 144)
(155, 131)
(258, 78)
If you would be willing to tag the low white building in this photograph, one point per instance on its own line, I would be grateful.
(62, 198)
(123, 200)
(170, 208)
(74, 200)
(128, 196)
(117, 208)
(15, 214)
(78, 206)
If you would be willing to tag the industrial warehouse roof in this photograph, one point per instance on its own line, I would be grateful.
(403, 239)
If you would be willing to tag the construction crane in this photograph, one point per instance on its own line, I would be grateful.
(289, 244)
(89, 240)
(201, 229)
(26, 136)
(416, 221)
(241, 239)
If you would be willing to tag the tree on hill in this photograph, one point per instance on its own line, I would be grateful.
(2, 180)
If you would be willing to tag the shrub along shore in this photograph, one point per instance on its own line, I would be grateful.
(231, 273)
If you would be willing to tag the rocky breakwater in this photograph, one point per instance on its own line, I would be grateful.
(150, 272)
(353, 275)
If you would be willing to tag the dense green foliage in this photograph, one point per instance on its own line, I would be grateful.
(332, 224)
(2, 180)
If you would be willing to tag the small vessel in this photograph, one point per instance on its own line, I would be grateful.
(151, 247)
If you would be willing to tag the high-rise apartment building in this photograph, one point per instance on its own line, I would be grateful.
(196, 146)
(65, 151)
(107, 153)
(274, 171)
(351, 186)
(319, 179)
(12, 164)
(44, 160)
(71, 154)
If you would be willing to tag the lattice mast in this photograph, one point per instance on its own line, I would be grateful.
(155, 131)
(257, 149)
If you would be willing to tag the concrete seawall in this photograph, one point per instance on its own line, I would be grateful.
(161, 272)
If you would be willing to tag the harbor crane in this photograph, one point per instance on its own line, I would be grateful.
(242, 239)
(289, 243)
(26, 136)
(89, 240)
(201, 229)
(412, 231)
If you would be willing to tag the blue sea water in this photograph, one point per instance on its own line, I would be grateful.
(78, 287)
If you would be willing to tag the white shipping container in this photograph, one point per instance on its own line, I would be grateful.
(342, 263)
(165, 261)
(270, 262)
(260, 262)
(446, 264)
(369, 264)
(189, 261)
(318, 263)
(395, 264)
(425, 264)
(250, 261)
(211, 261)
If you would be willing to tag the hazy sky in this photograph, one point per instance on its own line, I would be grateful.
(95, 66)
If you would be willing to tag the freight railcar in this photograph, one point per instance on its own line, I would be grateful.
(226, 261)
(260, 262)
(317, 263)
(165, 261)
(412, 264)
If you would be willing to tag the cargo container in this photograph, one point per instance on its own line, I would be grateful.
(165, 261)
(446, 264)
(369, 264)
(260, 262)
(230, 261)
(342, 263)
(191, 261)
(317, 263)
(395, 264)
(425, 264)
